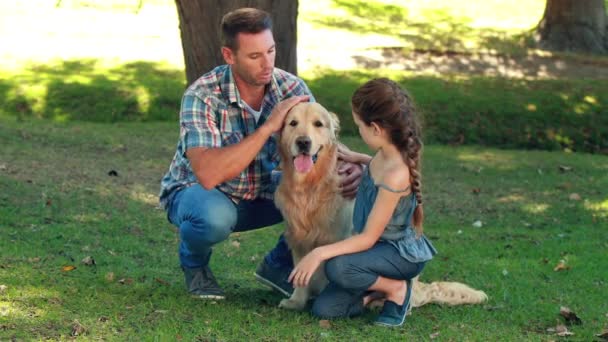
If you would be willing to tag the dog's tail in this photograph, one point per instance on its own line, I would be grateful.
(442, 292)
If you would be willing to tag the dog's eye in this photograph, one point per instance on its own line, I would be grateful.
(293, 123)
(318, 123)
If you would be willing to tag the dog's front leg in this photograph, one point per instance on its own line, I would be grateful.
(298, 299)
(300, 295)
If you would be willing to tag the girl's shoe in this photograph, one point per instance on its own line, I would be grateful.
(392, 314)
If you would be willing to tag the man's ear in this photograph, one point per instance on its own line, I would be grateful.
(228, 55)
(334, 122)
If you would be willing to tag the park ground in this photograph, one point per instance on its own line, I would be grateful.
(86, 254)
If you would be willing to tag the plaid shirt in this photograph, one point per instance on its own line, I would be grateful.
(212, 115)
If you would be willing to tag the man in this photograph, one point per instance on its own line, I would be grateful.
(221, 179)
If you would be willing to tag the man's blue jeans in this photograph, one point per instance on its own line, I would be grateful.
(206, 217)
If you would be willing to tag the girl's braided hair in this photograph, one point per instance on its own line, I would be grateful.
(391, 107)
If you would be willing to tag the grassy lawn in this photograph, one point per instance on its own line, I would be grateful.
(89, 93)
(60, 205)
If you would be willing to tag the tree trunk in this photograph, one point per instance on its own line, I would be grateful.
(574, 25)
(199, 23)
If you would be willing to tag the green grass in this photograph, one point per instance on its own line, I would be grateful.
(59, 205)
(76, 104)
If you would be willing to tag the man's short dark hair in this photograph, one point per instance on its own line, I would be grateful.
(248, 20)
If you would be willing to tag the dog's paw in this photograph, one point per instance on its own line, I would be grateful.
(291, 305)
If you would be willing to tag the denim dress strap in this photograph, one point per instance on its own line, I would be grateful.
(386, 187)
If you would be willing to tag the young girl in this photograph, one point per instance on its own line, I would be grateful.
(388, 248)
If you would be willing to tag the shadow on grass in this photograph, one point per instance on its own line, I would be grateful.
(436, 31)
(86, 91)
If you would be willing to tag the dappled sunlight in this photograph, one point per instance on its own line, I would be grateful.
(21, 304)
(89, 217)
(599, 208)
(511, 198)
(531, 107)
(426, 37)
(530, 66)
(535, 208)
(135, 91)
(501, 161)
(139, 194)
(47, 31)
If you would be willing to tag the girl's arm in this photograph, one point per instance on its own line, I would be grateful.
(379, 217)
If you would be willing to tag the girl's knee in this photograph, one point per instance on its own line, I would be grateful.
(323, 310)
(337, 269)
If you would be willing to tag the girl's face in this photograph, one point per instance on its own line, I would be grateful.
(369, 134)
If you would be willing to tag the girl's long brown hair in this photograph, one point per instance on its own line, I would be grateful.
(382, 101)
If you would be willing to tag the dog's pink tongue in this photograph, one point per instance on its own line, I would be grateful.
(303, 163)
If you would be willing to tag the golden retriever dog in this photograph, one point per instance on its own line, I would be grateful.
(316, 214)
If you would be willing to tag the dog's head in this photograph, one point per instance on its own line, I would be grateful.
(309, 131)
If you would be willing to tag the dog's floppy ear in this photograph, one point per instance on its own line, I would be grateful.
(334, 122)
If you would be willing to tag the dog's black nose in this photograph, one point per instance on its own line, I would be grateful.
(303, 144)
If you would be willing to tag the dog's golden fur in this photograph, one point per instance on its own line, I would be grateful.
(316, 214)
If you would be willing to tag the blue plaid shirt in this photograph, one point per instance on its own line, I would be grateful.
(212, 115)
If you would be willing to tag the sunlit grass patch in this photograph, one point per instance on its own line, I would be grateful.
(93, 90)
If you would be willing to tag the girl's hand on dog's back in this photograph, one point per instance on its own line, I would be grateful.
(304, 270)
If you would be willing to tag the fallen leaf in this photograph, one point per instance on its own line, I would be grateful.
(603, 335)
(325, 324)
(68, 268)
(570, 316)
(561, 330)
(3, 288)
(161, 281)
(33, 260)
(89, 261)
(110, 277)
(77, 328)
(126, 281)
(434, 335)
(574, 197)
(235, 244)
(561, 266)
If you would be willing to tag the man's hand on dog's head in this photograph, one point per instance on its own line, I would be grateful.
(277, 117)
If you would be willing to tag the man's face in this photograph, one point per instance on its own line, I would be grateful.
(253, 61)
